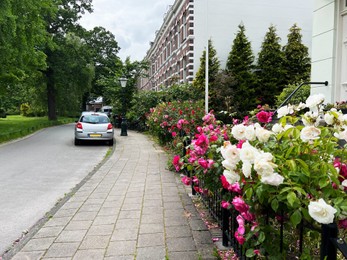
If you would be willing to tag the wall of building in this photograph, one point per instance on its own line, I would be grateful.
(218, 20)
(323, 47)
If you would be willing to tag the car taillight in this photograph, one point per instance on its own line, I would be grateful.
(79, 125)
(109, 126)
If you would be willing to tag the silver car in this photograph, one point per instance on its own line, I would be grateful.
(94, 126)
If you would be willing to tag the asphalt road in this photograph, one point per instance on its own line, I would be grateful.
(37, 171)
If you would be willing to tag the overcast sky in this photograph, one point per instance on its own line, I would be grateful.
(133, 23)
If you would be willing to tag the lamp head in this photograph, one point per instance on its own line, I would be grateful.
(123, 82)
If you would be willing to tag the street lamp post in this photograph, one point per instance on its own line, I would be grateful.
(123, 132)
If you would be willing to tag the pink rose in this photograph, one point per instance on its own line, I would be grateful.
(239, 204)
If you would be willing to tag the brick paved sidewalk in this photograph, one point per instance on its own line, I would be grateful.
(132, 207)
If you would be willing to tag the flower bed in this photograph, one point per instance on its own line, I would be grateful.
(289, 173)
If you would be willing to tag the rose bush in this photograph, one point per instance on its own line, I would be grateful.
(171, 119)
(292, 171)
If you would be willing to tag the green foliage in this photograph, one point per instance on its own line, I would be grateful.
(271, 71)
(169, 119)
(300, 96)
(297, 59)
(22, 33)
(143, 101)
(213, 67)
(24, 109)
(240, 66)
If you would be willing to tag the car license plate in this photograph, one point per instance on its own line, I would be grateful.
(94, 135)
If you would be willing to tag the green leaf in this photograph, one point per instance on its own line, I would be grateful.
(296, 218)
(250, 253)
(291, 197)
(249, 193)
(274, 204)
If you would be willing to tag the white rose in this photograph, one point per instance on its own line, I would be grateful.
(285, 110)
(273, 179)
(309, 133)
(329, 118)
(231, 176)
(264, 168)
(248, 152)
(230, 152)
(262, 134)
(321, 212)
(341, 135)
(314, 100)
(228, 165)
(300, 106)
(277, 128)
(250, 133)
(247, 169)
(238, 131)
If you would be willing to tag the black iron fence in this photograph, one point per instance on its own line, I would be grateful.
(331, 246)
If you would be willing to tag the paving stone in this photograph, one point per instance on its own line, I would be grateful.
(90, 207)
(127, 223)
(90, 254)
(175, 221)
(124, 234)
(28, 255)
(184, 255)
(152, 210)
(100, 230)
(62, 250)
(173, 232)
(202, 237)
(151, 228)
(71, 236)
(104, 220)
(39, 244)
(150, 253)
(119, 248)
(109, 211)
(79, 225)
(56, 221)
(152, 203)
(156, 218)
(181, 244)
(197, 225)
(85, 215)
(48, 232)
(95, 242)
(148, 240)
(65, 213)
(129, 214)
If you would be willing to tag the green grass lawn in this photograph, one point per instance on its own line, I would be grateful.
(13, 127)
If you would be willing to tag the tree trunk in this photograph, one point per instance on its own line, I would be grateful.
(51, 102)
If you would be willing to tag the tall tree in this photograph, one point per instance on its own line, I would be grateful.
(104, 49)
(297, 59)
(22, 30)
(240, 66)
(213, 67)
(60, 24)
(270, 68)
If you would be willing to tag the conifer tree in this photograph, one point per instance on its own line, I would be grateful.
(297, 59)
(240, 66)
(213, 67)
(271, 74)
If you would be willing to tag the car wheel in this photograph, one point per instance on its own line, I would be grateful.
(77, 142)
(110, 143)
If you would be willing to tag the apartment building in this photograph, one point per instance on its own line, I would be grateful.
(174, 55)
(329, 49)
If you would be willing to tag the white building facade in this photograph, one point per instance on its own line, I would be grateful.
(174, 55)
(329, 49)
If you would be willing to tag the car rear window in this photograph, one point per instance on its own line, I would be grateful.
(94, 119)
